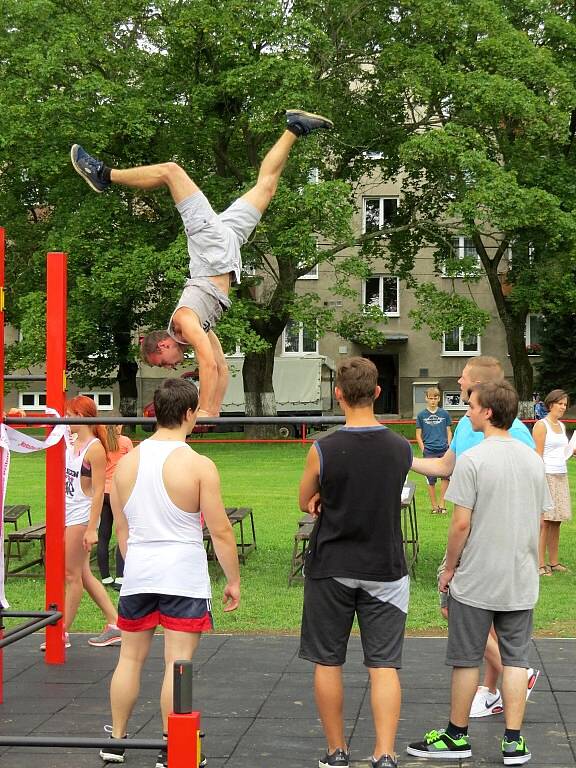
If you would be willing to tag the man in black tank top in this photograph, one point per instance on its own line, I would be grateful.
(355, 564)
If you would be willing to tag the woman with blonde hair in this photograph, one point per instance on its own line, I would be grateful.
(551, 442)
(84, 485)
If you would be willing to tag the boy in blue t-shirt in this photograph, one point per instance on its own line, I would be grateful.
(433, 435)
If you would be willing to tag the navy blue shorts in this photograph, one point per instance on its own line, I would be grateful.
(137, 613)
(433, 455)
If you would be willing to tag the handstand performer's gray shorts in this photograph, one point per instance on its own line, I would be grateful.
(214, 240)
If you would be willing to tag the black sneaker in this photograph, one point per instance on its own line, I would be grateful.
(439, 745)
(338, 758)
(162, 759)
(515, 752)
(113, 754)
(89, 168)
(386, 761)
(302, 123)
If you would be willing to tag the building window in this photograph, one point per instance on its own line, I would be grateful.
(451, 401)
(464, 250)
(32, 401)
(298, 339)
(382, 291)
(311, 275)
(378, 212)
(533, 334)
(456, 343)
(104, 400)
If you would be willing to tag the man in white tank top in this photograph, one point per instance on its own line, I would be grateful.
(159, 492)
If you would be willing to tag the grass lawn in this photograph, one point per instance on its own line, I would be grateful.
(265, 477)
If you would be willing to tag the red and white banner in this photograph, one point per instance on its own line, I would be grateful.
(13, 440)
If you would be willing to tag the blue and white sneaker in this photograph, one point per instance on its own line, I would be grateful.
(302, 123)
(90, 168)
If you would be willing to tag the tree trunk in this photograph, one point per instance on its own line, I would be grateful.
(258, 391)
(523, 372)
(514, 321)
(126, 378)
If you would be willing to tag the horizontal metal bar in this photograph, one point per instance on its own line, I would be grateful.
(25, 614)
(80, 742)
(228, 420)
(13, 635)
(23, 377)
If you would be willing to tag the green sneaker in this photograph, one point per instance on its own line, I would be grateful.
(437, 744)
(515, 752)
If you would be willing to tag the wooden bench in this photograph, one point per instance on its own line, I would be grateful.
(301, 541)
(237, 516)
(410, 527)
(12, 513)
(24, 536)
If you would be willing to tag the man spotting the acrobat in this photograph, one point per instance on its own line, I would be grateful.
(214, 243)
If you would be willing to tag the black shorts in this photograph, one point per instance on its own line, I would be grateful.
(327, 618)
(137, 613)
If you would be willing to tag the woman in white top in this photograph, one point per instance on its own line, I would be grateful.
(550, 437)
(85, 475)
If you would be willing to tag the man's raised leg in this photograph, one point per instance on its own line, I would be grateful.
(299, 124)
(99, 176)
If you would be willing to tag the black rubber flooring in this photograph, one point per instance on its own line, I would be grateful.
(257, 704)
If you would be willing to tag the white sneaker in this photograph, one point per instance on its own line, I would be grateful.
(533, 675)
(486, 703)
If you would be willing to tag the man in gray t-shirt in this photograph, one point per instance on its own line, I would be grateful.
(499, 491)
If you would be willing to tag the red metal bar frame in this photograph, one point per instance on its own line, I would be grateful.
(2, 260)
(55, 456)
(184, 740)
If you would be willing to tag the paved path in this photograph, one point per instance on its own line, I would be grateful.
(257, 706)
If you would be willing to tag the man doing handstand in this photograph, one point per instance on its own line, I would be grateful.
(214, 243)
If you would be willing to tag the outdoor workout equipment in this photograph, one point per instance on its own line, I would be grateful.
(183, 724)
(183, 729)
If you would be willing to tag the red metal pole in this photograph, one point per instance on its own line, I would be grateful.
(55, 456)
(184, 740)
(2, 258)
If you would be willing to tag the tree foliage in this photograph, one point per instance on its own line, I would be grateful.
(470, 104)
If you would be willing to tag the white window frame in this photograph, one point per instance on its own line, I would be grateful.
(381, 198)
(96, 397)
(381, 294)
(448, 401)
(37, 405)
(311, 275)
(527, 336)
(460, 255)
(461, 352)
(298, 352)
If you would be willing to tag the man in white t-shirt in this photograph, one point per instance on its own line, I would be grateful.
(499, 492)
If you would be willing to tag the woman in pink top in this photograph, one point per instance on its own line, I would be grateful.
(118, 445)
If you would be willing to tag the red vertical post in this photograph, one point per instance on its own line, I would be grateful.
(2, 258)
(55, 456)
(184, 740)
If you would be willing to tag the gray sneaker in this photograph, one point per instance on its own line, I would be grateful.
(110, 635)
(90, 168)
(302, 123)
(386, 761)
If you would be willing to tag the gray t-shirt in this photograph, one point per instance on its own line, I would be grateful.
(504, 484)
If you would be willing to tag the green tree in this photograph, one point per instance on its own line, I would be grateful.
(472, 106)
